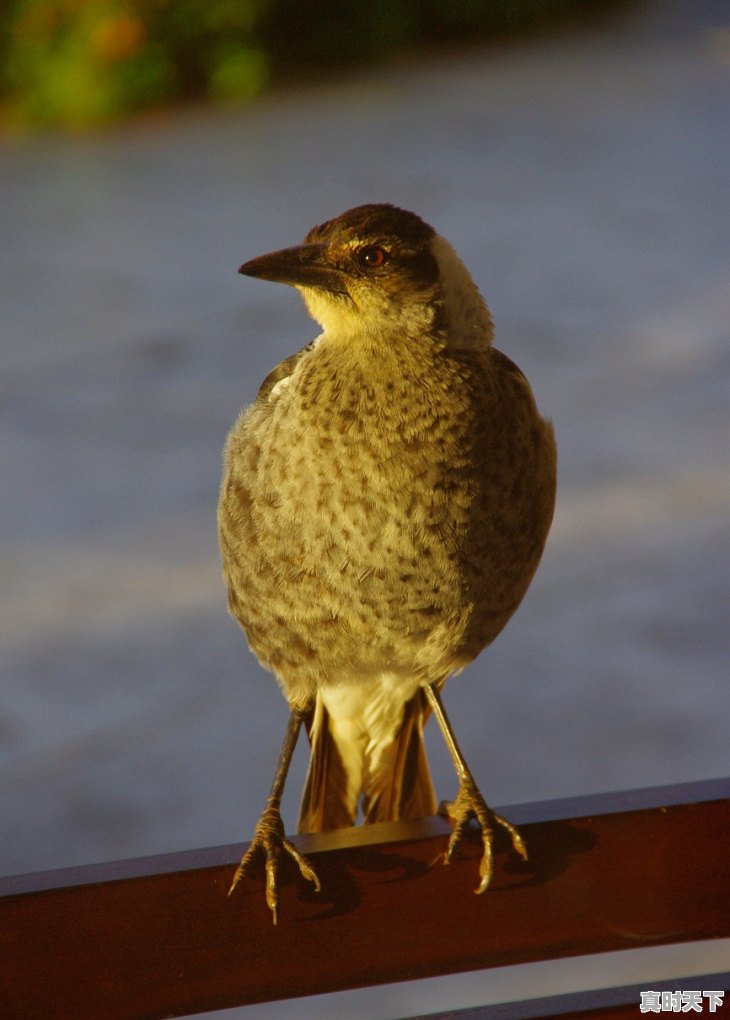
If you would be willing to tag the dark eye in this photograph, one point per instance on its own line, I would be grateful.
(372, 257)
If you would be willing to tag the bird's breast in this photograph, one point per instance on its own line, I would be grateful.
(359, 471)
(369, 512)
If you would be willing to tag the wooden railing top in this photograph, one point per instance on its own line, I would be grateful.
(158, 937)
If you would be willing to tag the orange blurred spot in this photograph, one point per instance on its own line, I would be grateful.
(118, 38)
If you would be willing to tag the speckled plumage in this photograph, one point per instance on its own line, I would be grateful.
(385, 500)
(383, 516)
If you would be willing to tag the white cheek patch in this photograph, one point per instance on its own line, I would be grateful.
(469, 322)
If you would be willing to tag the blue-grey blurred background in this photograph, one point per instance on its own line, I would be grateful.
(583, 173)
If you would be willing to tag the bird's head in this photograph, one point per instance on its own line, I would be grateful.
(380, 272)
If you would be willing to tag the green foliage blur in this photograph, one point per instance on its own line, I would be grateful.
(82, 63)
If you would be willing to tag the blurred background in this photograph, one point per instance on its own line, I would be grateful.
(577, 155)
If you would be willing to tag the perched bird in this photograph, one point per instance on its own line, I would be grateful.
(384, 505)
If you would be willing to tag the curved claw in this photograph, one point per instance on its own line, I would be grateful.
(270, 840)
(469, 803)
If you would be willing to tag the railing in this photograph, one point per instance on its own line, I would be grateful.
(158, 937)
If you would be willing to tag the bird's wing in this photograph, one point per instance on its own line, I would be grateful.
(505, 364)
(282, 371)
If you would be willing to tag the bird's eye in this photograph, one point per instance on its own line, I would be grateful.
(372, 257)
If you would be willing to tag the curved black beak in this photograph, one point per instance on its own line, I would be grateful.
(306, 265)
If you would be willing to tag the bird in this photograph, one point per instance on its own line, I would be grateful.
(384, 504)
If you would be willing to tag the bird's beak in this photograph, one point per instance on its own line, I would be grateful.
(306, 265)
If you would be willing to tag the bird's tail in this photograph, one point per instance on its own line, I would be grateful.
(367, 753)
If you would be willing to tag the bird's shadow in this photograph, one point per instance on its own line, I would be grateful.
(342, 890)
(551, 847)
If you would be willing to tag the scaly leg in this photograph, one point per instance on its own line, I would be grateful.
(269, 836)
(469, 802)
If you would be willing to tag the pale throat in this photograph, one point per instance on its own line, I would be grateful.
(372, 323)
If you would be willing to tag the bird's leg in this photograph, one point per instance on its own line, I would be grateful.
(469, 802)
(269, 836)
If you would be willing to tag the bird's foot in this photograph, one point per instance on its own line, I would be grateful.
(469, 803)
(270, 840)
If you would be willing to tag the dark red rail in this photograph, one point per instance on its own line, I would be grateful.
(158, 937)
